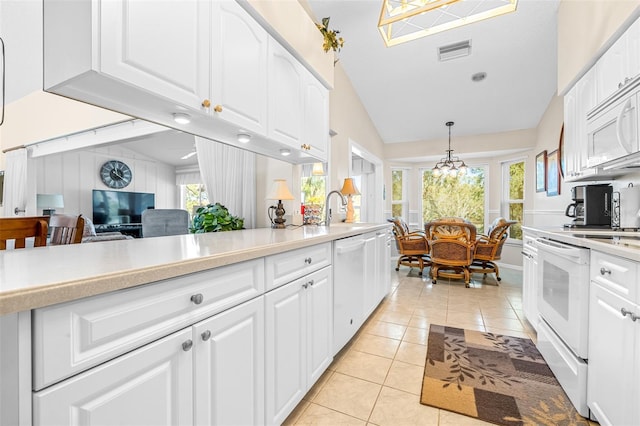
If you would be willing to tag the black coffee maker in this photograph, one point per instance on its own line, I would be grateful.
(591, 206)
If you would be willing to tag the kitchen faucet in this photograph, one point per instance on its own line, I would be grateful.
(327, 210)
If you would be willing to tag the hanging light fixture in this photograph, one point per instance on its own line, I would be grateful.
(406, 20)
(449, 165)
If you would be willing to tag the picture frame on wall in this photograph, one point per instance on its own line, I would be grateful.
(553, 174)
(541, 172)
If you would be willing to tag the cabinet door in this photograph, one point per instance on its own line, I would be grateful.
(319, 295)
(529, 290)
(229, 366)
(571, 149)
(285, 331)
(383, 259)
(239, 67)
(613, 364)
(162, 47)
(611, 68)
(285, 96)
(149, 386)
(316, 117)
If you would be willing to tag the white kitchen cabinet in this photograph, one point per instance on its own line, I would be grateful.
(614, 358)
(152, 385)
(285, 96)
(298, 340)
(229, 367)
(377, 280)
(316, 117)
(619, 64)
(530, 279)
(239, 68)
(162, 47)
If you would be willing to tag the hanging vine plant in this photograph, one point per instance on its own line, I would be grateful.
(331, 39)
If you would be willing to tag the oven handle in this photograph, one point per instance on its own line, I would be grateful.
(559, 248)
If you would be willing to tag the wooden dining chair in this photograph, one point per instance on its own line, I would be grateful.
(66, 229)
(19, 229)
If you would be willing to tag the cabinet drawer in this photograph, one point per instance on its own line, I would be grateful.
(288, 266)
(615, 274)
(74, 336)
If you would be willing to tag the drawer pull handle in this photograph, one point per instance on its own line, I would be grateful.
(186, 346)
(206, 335)
(308, 260)
(624, 313)
(605, 271)
(197, 298)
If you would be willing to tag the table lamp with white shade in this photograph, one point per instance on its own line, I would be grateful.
(279, 191)
(349, 189)
(49, 203)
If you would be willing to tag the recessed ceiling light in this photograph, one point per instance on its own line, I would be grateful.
(244, 137)
(181, 118)
(284, 152)
(479, 76)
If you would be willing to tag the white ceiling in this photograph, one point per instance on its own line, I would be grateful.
(409, 94)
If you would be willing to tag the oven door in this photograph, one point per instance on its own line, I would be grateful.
(563, 292)
(613, 132)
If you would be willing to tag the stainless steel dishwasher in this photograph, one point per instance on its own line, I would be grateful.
(348, 289)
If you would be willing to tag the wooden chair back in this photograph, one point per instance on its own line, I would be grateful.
(66, 229)
(18, 229)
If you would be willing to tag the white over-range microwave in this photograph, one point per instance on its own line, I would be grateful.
(612, 127)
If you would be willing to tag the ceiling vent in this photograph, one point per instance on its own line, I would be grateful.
(455, 50)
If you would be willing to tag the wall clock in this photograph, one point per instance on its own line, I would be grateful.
(115, 174)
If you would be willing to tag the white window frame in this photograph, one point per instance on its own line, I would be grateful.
(404, 202)
(505, 201)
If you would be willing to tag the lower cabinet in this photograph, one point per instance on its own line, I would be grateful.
(299, 318)
(614, 358)
(530, 279)
(209, 374)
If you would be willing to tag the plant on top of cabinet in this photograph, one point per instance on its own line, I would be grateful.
(215, 218)
(331, 39)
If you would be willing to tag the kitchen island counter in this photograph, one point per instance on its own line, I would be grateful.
(43, 276)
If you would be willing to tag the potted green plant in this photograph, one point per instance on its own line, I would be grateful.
(215, 218)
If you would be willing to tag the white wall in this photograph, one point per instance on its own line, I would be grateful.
(75, 174)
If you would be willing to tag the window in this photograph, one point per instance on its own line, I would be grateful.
(455, 196)
(192, 196)
(513, 196)
(399, 203)
(313, 193)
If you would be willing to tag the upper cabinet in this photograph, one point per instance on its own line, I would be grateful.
(208, 62)
(619, 64)
(239, 68)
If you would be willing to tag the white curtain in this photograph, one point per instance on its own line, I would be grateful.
(229, 174)
(15, 182)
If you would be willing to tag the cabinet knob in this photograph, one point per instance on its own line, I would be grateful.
(311, 282)
(305, 146)
(634, 317)
(604, 271)
(206, 335)
(197, 298)
(305, 285)
(217, 108)
(624, 312)
(186, 346)
(308, 261)
(206, 103)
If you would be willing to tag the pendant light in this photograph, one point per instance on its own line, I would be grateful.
(449, 165)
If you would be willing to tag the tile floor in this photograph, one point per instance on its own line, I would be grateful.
(376, 379)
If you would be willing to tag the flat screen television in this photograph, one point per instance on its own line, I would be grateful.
(120, 207)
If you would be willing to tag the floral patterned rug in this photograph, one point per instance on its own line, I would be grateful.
(494, 378)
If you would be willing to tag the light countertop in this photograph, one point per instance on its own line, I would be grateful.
(625, 244)
(42, 276)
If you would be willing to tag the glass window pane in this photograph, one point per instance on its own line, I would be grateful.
(194, 195)
(313, 196)
(396, 210)
(516, 212)
(459, 196)
(396, 185)
(516, 181)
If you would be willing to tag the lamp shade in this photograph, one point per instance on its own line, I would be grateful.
(49, 201)
(318, 169)
(280, 191)
(349, 187)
